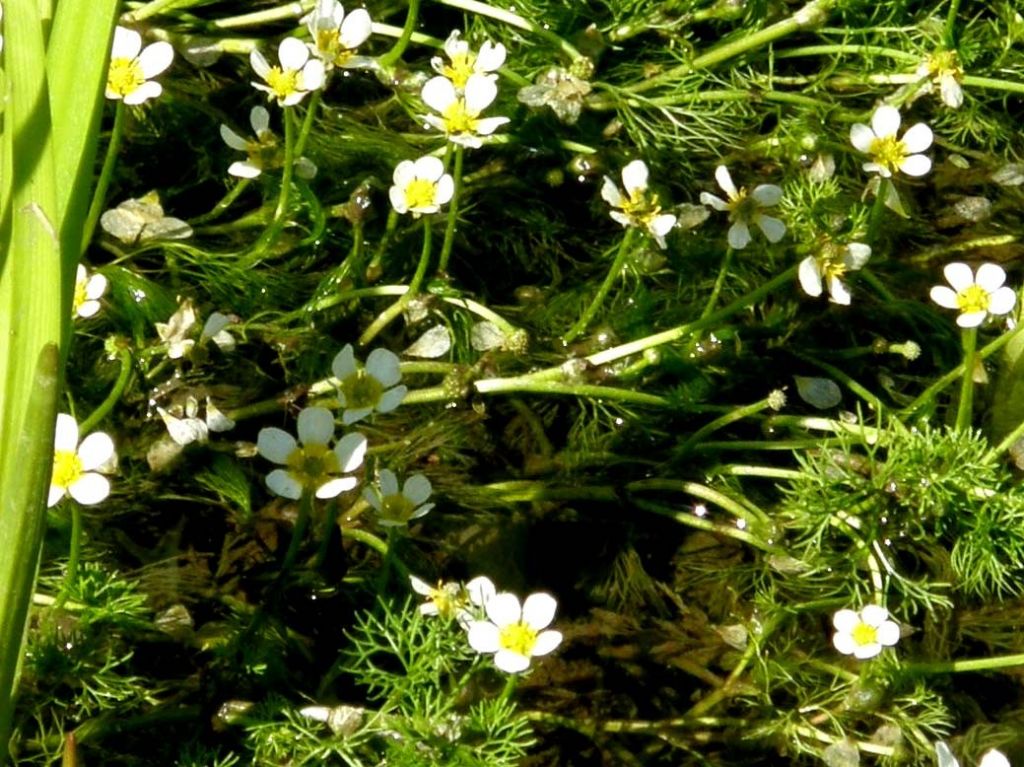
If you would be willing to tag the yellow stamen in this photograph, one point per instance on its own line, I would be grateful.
(973, 299)
(360, 389)
(125, 76)
(518, 638)
(460, 69)
(457, 119)
(67, 468)
(889, 152)
(283, 83)
(313, 465)
(864, 635)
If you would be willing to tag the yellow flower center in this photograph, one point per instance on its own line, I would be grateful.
(944, 64)
(889, 152)
(67, 468)
(446, 600)
(125, 76)
(80, 297)
(641, 209)
(830, 262)
(262, 153)
(973, 299)
(396, 508)
(328, 44)
(743, 207)
(283, 82)
(460, 69)
(864, 635)
(360, 389)
(457, 119)
(313, 465)
(518, 638)
(420, 193)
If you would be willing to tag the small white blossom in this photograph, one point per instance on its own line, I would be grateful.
(177, 333)
(361, 390)
(264, 152)
(514, 633)
(310, 464)
(295, 76)
(446, 600)
(638, 208)
(458, 114)
(421, 186)
(829, 266)
(889, 153)
(744, 208)
(336, 36)
(396, 506)
(77, 467)
(463, 62)
(132, 67)
(863, 634)
(991, 758)
(89, 288)
(975, 296)
(943, 69)
(216, 329)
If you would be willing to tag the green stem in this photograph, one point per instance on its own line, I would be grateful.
(289, 161)
(225, 202)
(505, 385)
(746, 511)
(307, 122)
(722, 421)
(625, 250)
(389, 314)
(964, 408)
(453, 211)
(960, 666)
(74, 555)
(373, 270)
(298, 533)
(124, 356)
(877, 210)
(391, 58)
(949, 34)
(719, 282)
(514, 20)
(367, 538)
(106, 173)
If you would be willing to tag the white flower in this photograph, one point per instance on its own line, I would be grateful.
(76, 466)
(361, 390)
(829, 266)
(446, 599)
(975, 296)
(88, 291)
(336, 36)
(889, 153)
(177, 330)
(190, 428)
(264, 152)
(943, 68)
(480, 590)
(991, 758)
(131, 67)
(513, 633)
(637, 208)
(459, 114)
(296, 76)
(311, 465)
(463, 62)
(216, 330)
(398, 507)
(863, 634)
(745, 208)
(421, 186)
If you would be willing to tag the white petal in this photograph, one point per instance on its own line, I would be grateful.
(391, 399)
(453, 45)
(259, 119)
(874, 167)
(620, 218)
(844, 643)
(511, 662)
(546, 642)
(861, 137)
(504, 609)
(417, 489)
(350, 417)
(739, 236)
(420, 586)
(610, 193)
(713, 201)
(856, 255)
(951, 92)
(539, 610)
(490, 57)
(95, 287)
(916, 165)
(885, 121)
(767, 194)
(388, 482)
(232, 139)
(88, 309)
(350, 451)
(945, 756)
(336, 487)
(773, 229)
(874, 615)
(838, 292)
(845, 621)
(944, 297)
(634, 177)
(662, 225)
(372, 496)
(292, 53)
(148, 90)
(917, 138)
(990, 277)
(91, 488)
(484, 637)
(810, 276)
(863, 652)
(725, 181)
(421, 511)
(315, 426)
(355, 29)
(481, 91)
(126, 45)
(438, 93)
(971, 320)
(313, 75)
(383, 365)
(155, 59)
(994, 758)
(428, 168)
(65, 436)
(959, 275)
(214, 324)
(888, 633)
(96, 450)
(259, 64)
(56, 493)
(275, 444)
(1002, 301)
(81, 273)
(487, 125)
(397, 197)
(344, 363)
(444, 191)
(480, 590)
(284, 484)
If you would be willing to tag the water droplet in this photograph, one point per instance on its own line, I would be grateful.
(700, 510)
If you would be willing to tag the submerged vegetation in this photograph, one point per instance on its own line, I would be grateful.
(591, 382)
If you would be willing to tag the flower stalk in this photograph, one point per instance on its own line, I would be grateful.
(964, 407)
(388, 315)
(623, 253)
